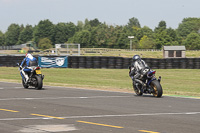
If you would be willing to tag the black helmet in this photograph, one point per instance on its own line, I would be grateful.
(136, 57)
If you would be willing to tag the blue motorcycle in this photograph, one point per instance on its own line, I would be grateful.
(149, 85)
(35, 77)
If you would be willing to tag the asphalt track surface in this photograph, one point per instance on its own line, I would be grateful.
(60, 109)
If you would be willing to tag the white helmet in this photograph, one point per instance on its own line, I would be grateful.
(29, 56)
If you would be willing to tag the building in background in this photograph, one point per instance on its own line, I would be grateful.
(174, 51)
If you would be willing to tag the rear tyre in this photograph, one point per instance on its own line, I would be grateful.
(24, 85)
(39, 82)
(157, 88)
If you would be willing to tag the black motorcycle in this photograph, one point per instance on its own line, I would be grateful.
(35, 78)
(150, 84)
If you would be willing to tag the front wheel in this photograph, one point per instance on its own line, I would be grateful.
(157, 88)
(24, 85)
(137, 89)
(39, 82)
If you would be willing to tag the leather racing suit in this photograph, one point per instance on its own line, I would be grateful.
(27, 62)
(135, 71)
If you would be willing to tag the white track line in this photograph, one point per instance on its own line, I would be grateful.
(101, 116)
(35, 118)
(197, 98)
(49, 98)
(129, 115)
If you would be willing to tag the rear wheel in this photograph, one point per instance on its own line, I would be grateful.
(157, 88)
(24, 85)
(39, 82)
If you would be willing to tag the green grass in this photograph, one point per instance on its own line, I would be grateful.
(118, 52)
(129, 54)
(174, 81)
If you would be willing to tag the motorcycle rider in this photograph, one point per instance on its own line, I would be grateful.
(28, 61)
(136, 70)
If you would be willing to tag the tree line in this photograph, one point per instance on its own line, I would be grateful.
(96, 34)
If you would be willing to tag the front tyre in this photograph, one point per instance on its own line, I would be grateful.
(157, 88)
(24, 85)
(39, 82)
(137, 90)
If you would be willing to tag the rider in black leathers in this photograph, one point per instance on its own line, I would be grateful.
(136, 69)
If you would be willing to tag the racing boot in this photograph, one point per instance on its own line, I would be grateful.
(26, 78)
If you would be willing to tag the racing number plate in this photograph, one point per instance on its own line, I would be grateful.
(38, 72)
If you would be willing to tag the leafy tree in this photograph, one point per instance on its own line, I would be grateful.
(82, 37)
(45, 43)
(2, 39)
(147, 31)
(63, 31)
(21, 28)
(144, 31)
(109, 36)
(146, 43)
(123, 41)
(45, 29)
(133, 26)
(172, 33)
(134, 22)
(80, 26)
(192, 41)
(187, 26)
(118, 34)
(97, 37)
(93, 33)
(26, 34)
(164, 36)
(72, 29)
(161, 26)
(12, 34)
(87, 25)
(139, 34)
(60, 33)
(94, 23)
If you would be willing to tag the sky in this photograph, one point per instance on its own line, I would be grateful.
(112, 12)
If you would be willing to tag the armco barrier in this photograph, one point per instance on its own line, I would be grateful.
(105, 62)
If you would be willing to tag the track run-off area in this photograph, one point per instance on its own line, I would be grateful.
(74, 110)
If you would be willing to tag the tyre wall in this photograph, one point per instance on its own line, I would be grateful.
(103, 62)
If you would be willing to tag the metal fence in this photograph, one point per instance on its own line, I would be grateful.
(14, 47)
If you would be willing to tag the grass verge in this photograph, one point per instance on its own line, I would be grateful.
(174, 81)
